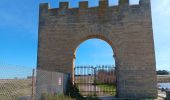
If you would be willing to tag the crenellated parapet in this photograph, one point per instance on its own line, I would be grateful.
(84, 8)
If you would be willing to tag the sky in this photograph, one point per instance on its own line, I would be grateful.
(19, 31)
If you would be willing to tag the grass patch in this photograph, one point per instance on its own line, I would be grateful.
(108, 89)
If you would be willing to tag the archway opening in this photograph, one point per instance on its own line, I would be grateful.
(94, 68)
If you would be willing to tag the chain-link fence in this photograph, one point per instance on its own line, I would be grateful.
(16, 82)
(27, 83)
(50, 82)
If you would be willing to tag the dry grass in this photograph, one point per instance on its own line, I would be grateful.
(12, 89)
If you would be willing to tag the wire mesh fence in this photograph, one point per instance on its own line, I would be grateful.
(27, 83)
(50, 82)
(16, 82)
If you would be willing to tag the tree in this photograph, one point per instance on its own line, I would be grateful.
(162, 72)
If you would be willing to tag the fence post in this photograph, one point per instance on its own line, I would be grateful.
(33, 81)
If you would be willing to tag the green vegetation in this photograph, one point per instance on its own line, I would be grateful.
(108, 89)
(162, 72)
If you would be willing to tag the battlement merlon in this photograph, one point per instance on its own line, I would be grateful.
(103, 5)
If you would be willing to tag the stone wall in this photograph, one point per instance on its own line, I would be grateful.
(127, 28)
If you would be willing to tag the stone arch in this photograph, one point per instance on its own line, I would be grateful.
(97, 36)
(127, 28)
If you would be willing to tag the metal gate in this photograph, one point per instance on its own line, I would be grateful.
(99, 81)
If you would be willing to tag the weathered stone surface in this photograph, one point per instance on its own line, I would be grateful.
(127, 28)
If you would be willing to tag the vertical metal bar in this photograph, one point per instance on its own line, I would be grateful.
(51, 89)
(87, 82)
(116, 72)
(92, 77)
(81, 80)
(115, 79)
(85, 77)
(108, 79)
(105, 75)
(33, 81)
(88, 78)
(79, 76)
(74, 75)
(95, 80)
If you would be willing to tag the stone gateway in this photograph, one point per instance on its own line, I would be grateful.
(127, 28)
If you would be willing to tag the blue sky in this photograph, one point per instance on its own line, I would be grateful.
(19, 31)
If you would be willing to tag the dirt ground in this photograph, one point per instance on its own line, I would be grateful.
(12, 89)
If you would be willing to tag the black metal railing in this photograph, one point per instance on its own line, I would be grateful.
(99, 81)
